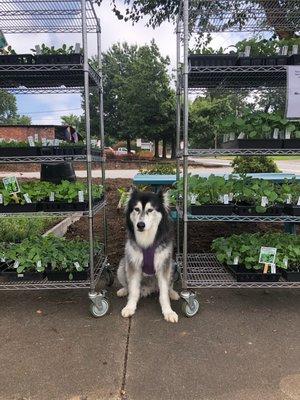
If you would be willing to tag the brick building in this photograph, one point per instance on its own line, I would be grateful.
(21, 132)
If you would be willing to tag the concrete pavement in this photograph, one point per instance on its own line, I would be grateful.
(243, 345)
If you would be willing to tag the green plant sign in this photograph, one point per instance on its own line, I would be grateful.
(267, 255)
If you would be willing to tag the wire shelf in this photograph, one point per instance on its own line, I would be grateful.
(47, 159)
(244, 218)
(29, 16)
(205, 271)
(53, 77)
(100, 265)
(240, 152)
(96, 209)
(244, 15)
(237, 77)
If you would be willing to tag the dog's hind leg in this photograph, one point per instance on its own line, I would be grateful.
(173, 294)
(121, 274)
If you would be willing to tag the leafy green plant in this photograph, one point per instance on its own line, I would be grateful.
(254, 164)
(245, 249)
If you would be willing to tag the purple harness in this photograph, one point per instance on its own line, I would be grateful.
(148, 260)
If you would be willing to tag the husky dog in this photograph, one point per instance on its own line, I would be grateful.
(147, 266)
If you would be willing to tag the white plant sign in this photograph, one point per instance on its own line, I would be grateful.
(293, 92)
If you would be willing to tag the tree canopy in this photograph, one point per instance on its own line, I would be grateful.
(9, 111)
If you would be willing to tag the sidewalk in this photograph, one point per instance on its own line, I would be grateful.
(243, 345)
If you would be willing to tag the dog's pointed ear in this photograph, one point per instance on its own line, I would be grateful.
(164, 196)
(132, 191)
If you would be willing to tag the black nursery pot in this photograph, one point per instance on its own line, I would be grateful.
(241, 274)
(12, 275)
(291, 143)
(253, 144)
(56, 206)
(291, 276)
(212, 209)
(46, 150)
(244, 210)
(18, 151)
(291, 209)
(204, 60)
(277, 60)
(64, 276)
(18, 208)
(294, 59)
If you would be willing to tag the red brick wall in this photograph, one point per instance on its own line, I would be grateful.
(21, 133)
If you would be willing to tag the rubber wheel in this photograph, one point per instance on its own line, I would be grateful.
(187, 311)
(99, 312)
(109, 277)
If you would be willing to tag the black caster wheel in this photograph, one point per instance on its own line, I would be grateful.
(109, 277)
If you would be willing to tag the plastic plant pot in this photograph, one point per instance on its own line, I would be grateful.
(64, 276)
(291, 275)
(212, 209)
(241, 274)
(201, 60)
(253, 144)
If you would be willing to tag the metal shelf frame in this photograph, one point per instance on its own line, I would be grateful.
(203, 270)
(60, 16)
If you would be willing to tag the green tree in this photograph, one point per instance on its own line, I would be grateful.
(9, 111)
(71, 119)
(137, 94)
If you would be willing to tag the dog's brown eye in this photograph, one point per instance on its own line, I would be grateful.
(137, 209)
(150, 210)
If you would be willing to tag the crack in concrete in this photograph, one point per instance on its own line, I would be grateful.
(123, 395)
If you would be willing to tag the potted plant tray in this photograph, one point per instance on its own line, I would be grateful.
(206, 60)
(65, 276)
(291, 143)
(12, 275)
(18, 151)
(241, 274)
(253, 144)
(212, 209)
(292, 210)
(18, 208)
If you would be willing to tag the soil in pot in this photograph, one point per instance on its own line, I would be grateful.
(212, 209)
(241, 274)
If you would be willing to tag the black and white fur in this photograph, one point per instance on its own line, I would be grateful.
(147, 223)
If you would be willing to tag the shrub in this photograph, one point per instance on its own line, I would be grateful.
(243, 165)
(159, 169)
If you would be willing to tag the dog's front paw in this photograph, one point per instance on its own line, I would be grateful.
(127, 312)
(171, 316)
(122, 292)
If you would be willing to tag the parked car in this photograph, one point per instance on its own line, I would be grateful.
(123, 151)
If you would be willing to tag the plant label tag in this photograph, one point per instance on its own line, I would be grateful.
(285, 50)
(287, 134)
(247, 51)
(36, 137)
(193, 198)
(264, 201)
(56, 142)
(236, 260)
(267, 255)
(44, 142)
(231, 136)
(230, 196)
(241, 135)
(39, 266)
(228, 252)
(276, 133)
(298, 202)
(94, 142)
(226, 199)
(27, 198)
(266, 269)
(31, 141)
(77, 266)
(16, 264)
(20, 275)
(11, 184)
(295, 49)
(285, 262)
(3, 259)
(273, 269)
(1, 198)
(289, 199)
(80, 196)
(53, 263)
(52, 196)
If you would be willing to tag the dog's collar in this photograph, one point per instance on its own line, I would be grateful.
(148, 260)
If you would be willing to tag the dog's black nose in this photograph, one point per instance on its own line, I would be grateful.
(140, 225)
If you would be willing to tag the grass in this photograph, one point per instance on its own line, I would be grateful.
(276, 158)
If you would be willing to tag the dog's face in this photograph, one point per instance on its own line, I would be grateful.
(145, 211)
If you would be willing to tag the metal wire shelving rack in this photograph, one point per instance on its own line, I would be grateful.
(204, 16)
(61, 16)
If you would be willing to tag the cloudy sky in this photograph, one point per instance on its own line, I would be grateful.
(47, 109)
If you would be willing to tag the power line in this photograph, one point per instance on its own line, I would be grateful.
(47, 111)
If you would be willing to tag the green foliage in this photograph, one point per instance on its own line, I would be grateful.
(71, 119)
(266, 47)
(247, 248)
(14, 230)
(66, 192)
(254, 164)
(64, 49)
(39, 252)
(159, 169)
